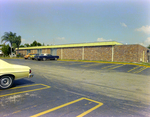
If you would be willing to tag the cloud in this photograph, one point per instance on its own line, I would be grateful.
(146, 43)
(102, 39)
(123, 24)
(61, 38)
(145, 29)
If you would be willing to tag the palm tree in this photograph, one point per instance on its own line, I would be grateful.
(9, 37)
(18, 41)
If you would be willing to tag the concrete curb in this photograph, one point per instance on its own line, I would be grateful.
(107, 62)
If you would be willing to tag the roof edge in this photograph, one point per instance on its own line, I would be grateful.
(75, 45)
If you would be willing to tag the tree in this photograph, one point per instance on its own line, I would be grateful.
(6, 50)
(26, 45)
(35, 43)
(39, 44)
(148, 47)
(18, 41)
(21, 46)
(9, 37)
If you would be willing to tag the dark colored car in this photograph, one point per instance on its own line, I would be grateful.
(45, 57)
(32, 56)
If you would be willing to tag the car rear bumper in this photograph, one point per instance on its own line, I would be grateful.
(30, 75)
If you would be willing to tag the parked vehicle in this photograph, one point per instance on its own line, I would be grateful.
(28, 56)
(10, 72)
(45, 57)
(32, 56)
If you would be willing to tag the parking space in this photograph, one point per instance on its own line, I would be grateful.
(74, 108)
(136, 69)
(77, 89)
(38, 100)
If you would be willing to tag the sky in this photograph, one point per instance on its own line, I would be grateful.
(56, 22)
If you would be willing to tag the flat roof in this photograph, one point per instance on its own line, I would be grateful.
(74, 45)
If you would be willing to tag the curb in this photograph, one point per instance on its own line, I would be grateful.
(107, 62)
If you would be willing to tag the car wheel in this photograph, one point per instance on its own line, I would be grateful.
(6, 82)
(44, 59)
(56, 59)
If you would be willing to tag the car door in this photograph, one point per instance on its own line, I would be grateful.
(50, 56)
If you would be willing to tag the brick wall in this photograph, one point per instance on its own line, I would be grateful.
(22, 52)
(130, 53)
(46, 51)
(142, 51)
(59, 53)
(125, 53)
(72, 53)
(122, 53)
(34, 51)
(103, 53)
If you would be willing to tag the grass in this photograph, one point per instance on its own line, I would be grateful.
(11, 58)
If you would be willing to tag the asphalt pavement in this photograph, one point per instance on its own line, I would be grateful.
(77, 89)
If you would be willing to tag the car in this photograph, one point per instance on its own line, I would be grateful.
(32, 56)
(45, 57)
(10, 72)
(28, 56)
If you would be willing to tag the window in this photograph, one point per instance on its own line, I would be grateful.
(54, 51)
(28, 51)
(39, 51)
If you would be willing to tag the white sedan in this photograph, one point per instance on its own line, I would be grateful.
(10, 72)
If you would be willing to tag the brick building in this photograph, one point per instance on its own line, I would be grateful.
(103, 51)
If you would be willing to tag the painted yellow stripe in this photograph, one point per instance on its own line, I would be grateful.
(116, 67)
(46, 87)
(107, 62)
(108, 66)
(61, 106)
(58, 107)
(90, 65)
(140, 70)
(90, 110)
(134, 68)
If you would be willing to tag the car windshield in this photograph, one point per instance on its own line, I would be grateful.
(43, 54)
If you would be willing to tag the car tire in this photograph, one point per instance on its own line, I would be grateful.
(6, 82)
(44, 59)
(56, 59)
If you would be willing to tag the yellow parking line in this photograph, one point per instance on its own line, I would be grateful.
(90, 110)
(134, 68)
(116, 67)
(63, 105)
(108, 66)
(90, 65)
(53, 109)
(140, 70)
(46, 87)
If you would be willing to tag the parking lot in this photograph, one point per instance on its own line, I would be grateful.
(77, 89)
